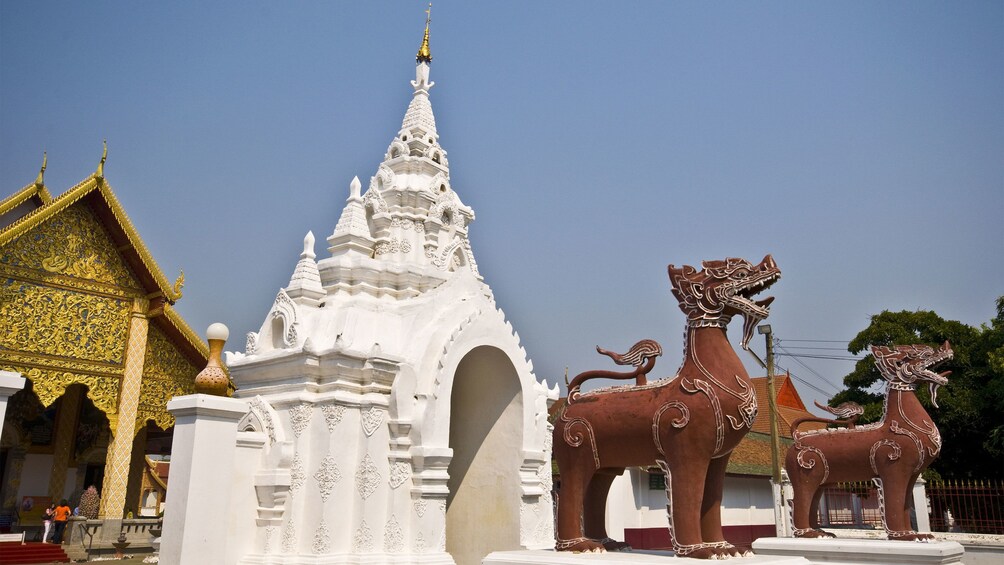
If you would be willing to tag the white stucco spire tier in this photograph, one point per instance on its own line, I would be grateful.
(371, 384)
(305, 284)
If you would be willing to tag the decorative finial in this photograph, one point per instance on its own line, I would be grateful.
(308, 246)
(424, 54)
(355, 187)
(179, 282)
(100, 173)
(40, 179)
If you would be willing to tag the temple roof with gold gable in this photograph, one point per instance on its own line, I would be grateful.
(72, 270)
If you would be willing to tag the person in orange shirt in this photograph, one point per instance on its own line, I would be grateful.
(62, 514)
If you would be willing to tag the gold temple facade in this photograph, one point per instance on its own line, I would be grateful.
(86, 317)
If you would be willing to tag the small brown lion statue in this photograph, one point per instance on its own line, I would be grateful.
(688, 425)
(891, 452)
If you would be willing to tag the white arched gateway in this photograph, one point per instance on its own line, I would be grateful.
(393, 416)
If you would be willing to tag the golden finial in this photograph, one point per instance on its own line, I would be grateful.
(424, 54)
(40, 179)
(179, 283)
(100, 173)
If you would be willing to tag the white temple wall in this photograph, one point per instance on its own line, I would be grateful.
(240, 517)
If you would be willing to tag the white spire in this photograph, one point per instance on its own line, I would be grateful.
(305, 284)
(352, 233)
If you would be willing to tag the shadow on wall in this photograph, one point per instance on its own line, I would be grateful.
(486, 421)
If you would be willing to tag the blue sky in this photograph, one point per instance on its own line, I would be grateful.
(861, 143)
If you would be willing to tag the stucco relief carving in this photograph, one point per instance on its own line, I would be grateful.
(289, 537)
(400, 471)
(393, 536)
(297, 475)
(333, 414)
(299, 418)
(286, 310)
(326, 476)
(371, 419)
(374, 201)
(269, 532)
(367, 477)
(420, 543)
(362, 540)
(251, 344)
(421, 506)
(322, 539)
(393, 246)
(265, 415)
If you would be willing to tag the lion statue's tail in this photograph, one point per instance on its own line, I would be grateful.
(847, 414)
(641, 355)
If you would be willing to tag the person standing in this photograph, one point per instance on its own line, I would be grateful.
(62, 514)
(47, 517)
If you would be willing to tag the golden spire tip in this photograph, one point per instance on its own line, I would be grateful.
(424, 54)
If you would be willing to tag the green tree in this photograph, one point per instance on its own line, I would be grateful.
(970, 415)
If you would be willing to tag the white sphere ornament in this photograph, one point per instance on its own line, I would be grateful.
(218, 331)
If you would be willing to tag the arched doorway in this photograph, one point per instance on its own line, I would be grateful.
(486, 435)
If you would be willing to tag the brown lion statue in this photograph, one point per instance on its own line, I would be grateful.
(687, 425)
(891, 452)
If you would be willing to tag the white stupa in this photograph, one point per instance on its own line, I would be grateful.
(394, 416)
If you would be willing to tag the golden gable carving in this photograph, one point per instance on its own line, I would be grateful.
(74, 244)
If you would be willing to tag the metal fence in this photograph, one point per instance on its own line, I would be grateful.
(953, 506)
(850, 505)
(967, 506)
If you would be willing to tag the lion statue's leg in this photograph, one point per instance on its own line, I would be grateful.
(595, 509)
(711, 508)
(578, 470)
(894, 489)
(807, 488)
(685, 477)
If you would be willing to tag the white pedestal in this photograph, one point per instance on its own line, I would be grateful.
(637, 557)
(839, 551)
(202, 454)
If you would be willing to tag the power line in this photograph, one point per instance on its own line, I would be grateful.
(810, 369)
(818, 348)
(818, 340)
(821, 356)
(806, 383)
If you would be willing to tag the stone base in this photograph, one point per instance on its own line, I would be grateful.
(839, 551)
(637, 557)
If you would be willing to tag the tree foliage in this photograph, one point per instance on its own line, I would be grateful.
(970, 416)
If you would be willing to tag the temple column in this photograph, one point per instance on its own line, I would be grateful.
(66, 424)
(123, 425)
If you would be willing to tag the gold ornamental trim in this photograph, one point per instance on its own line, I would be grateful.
(93, 184)
(23, 195)
(42, 361)
(65, 282)
(48, 385)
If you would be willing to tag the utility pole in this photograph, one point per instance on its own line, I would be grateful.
(775, 439)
